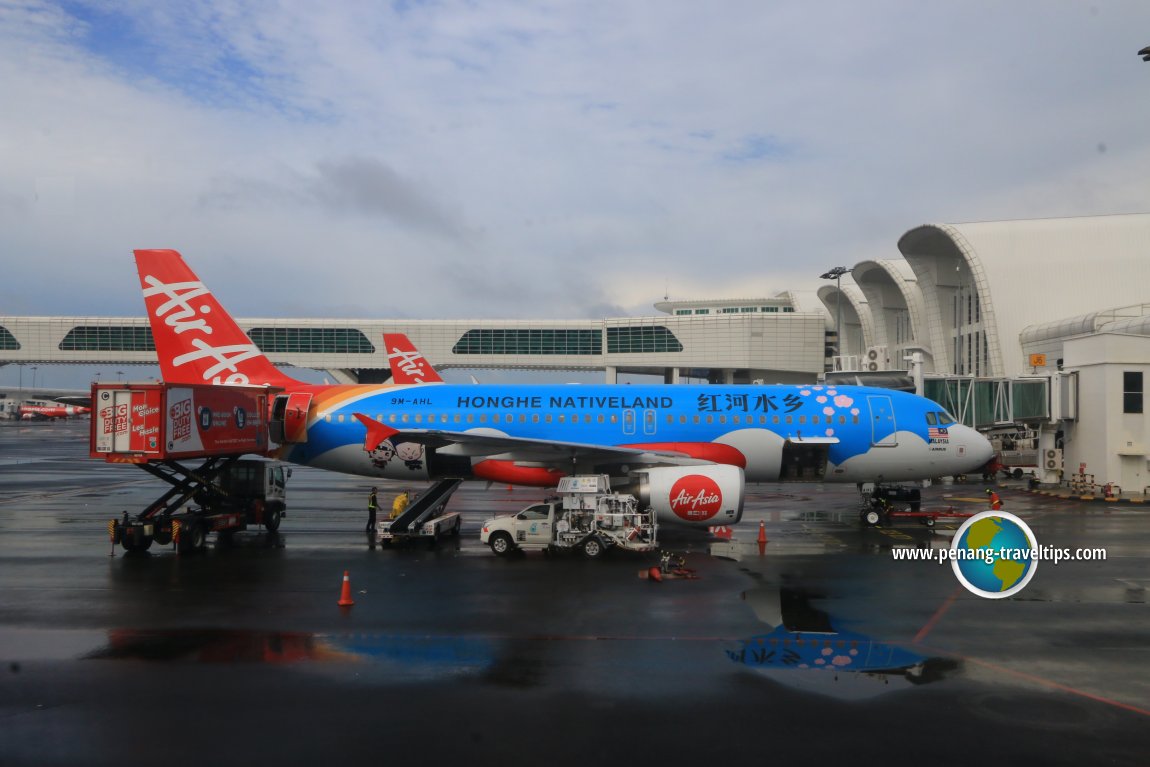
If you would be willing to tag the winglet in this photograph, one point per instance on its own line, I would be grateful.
(376, 431)
(408, 365)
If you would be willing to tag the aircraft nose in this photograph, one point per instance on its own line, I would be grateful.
(978, 448)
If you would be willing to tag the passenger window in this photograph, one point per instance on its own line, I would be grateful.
(534, 418)
(722, 419)
(471, 417)
(404, 417)
(735, 419)
(815, 420)
(495, 418)
(802, 419)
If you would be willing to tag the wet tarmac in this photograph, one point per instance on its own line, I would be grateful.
(822, 648)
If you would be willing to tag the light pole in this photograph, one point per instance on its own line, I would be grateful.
(21, 366)
(836, 274)
(33, 368)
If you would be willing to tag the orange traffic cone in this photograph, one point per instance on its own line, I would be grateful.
(345, 599)
(762, 538)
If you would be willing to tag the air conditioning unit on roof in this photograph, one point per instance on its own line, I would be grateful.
(877, 358)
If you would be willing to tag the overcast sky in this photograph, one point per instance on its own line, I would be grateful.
(539, 159)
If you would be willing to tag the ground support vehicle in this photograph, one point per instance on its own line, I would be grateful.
(877, 500)
(424, 518)
(585, 516)
(160, 427)
(927, 517)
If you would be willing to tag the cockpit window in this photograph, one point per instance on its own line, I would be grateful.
(944, 418)
(931, 419)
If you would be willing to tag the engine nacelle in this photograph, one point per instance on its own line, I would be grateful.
(695, 496)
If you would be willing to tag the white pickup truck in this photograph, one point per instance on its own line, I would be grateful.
(586, 516)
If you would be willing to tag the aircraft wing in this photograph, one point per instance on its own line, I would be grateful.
(519, 449)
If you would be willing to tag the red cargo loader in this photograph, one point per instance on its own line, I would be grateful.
(157, 426)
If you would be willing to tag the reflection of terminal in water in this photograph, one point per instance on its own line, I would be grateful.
(806, 649)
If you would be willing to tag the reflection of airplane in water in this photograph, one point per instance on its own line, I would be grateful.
(422, 657)
(807, 649)
(684, 449)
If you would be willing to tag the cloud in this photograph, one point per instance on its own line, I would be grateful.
(542, 160)
(349, 186)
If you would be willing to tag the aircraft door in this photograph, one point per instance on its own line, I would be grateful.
(628, 422)
(289, 417)
(883, 429)
(649, 422)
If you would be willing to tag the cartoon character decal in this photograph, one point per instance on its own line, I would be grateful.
(381, 454)
(411, 453)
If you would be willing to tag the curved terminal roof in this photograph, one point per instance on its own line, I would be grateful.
(896, 306)
(992, 279)
(1047, 338)
(857, 328)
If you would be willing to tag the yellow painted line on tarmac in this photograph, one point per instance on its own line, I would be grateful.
(968, 500)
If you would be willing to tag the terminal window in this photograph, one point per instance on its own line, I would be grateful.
(1131, 392)
(8, 341)
(529, 341)
(99, 338)
(311, 340)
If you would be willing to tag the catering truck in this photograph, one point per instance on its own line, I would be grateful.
(160, 427)
(585, 516)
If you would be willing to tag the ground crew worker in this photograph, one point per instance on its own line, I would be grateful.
(372, 507)
(399, 504)
(995, 503)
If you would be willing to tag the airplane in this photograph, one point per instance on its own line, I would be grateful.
(685, 450)
(34, 410)
(408, 365)
(809, 649)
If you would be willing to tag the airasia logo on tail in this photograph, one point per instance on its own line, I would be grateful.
(696, 497)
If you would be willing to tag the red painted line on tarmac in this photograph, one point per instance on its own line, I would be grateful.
(941, 611)
(1059, 686)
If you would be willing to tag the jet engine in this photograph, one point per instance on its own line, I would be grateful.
(695, 496)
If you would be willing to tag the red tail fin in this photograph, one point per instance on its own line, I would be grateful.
(196, 339)
(408, 365)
